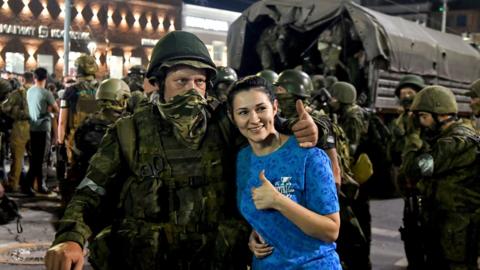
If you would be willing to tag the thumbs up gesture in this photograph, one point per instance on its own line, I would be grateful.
(266, 195)
(305, 129)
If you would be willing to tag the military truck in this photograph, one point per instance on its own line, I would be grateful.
(370, 49)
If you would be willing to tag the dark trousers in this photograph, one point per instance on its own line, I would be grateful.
(39, 148)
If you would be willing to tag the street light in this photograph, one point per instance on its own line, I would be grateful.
(92, 47)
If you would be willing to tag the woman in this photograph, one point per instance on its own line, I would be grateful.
(285, 192)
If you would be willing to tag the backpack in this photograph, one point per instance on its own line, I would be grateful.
(9, 211)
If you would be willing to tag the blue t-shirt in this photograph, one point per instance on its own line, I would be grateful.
(305, 176)
(38, 100)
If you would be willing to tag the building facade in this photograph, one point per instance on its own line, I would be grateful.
(118, 33)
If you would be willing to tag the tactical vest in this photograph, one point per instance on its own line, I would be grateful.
(175, 199)
(85, 104)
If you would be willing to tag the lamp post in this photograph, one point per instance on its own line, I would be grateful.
(66, 35)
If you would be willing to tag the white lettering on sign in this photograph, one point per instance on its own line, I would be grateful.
(207, 24)
(42, 32)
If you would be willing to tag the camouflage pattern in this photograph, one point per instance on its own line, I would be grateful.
(16, 108)
(174, 206)
(352, 120)
(86, 65)
(269, 75)
(187, 113)
(450, 196)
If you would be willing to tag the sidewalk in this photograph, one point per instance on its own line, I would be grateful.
(26, 250)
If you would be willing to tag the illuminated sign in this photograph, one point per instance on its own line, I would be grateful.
(149, 42)
(42, 32)
(207, 24)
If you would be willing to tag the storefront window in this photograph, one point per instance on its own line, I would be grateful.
(115, 64)
(72, 56)
(15, 62)
(134, 61)
(45, 61)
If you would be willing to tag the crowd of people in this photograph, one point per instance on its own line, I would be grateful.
(186, 166)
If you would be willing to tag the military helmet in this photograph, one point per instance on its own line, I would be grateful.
(474, 90)
(113, 90)
(179, 48)
(225, 74)
(435, 99)
(137, 70)
(318, 81)
(330, 80)
(296, 82)
(86, 65)
(269, 75)
(344, 92)
(413, 81)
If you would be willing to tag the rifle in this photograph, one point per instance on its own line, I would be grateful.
(412, 231)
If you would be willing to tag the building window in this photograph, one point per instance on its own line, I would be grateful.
(72, 56)
(462, 20)
(135, 61)
(45, 61)
(115, 64)
(15, 62)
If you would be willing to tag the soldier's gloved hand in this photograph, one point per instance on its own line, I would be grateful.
(65, 256)
(258, 246)
(305, 129)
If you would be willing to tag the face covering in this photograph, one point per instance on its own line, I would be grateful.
(287, 105)
(406, 102)
(188, 115)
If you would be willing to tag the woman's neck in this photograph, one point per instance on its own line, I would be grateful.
(269, 145)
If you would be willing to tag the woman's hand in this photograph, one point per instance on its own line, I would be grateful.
(258, 246)
(265, 196)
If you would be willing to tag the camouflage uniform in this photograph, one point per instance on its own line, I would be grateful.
(111, 96)
(20, 135)
(447, 166)
(474, 94)
(173, 196)
(352, 120)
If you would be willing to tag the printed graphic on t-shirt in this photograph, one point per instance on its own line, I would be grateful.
(285, 187)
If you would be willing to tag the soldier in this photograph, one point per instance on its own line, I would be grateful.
(77, 103)
(443, 154)
(16, 107)
(269, 75)
(135, 77)
(225, 77)
(410, 232)
(474, 94)
(351, 119)
(170, 168)
(111, 97)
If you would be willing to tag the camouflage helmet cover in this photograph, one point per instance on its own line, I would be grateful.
(179, 48)
(413, 81)
(296, 82)
(344, 92)
(86, 65)
(435, 99)
(226, 74)
(269, 75)
(474, 90)
(113, 90)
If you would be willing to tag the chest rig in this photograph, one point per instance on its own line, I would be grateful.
(175, 185)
